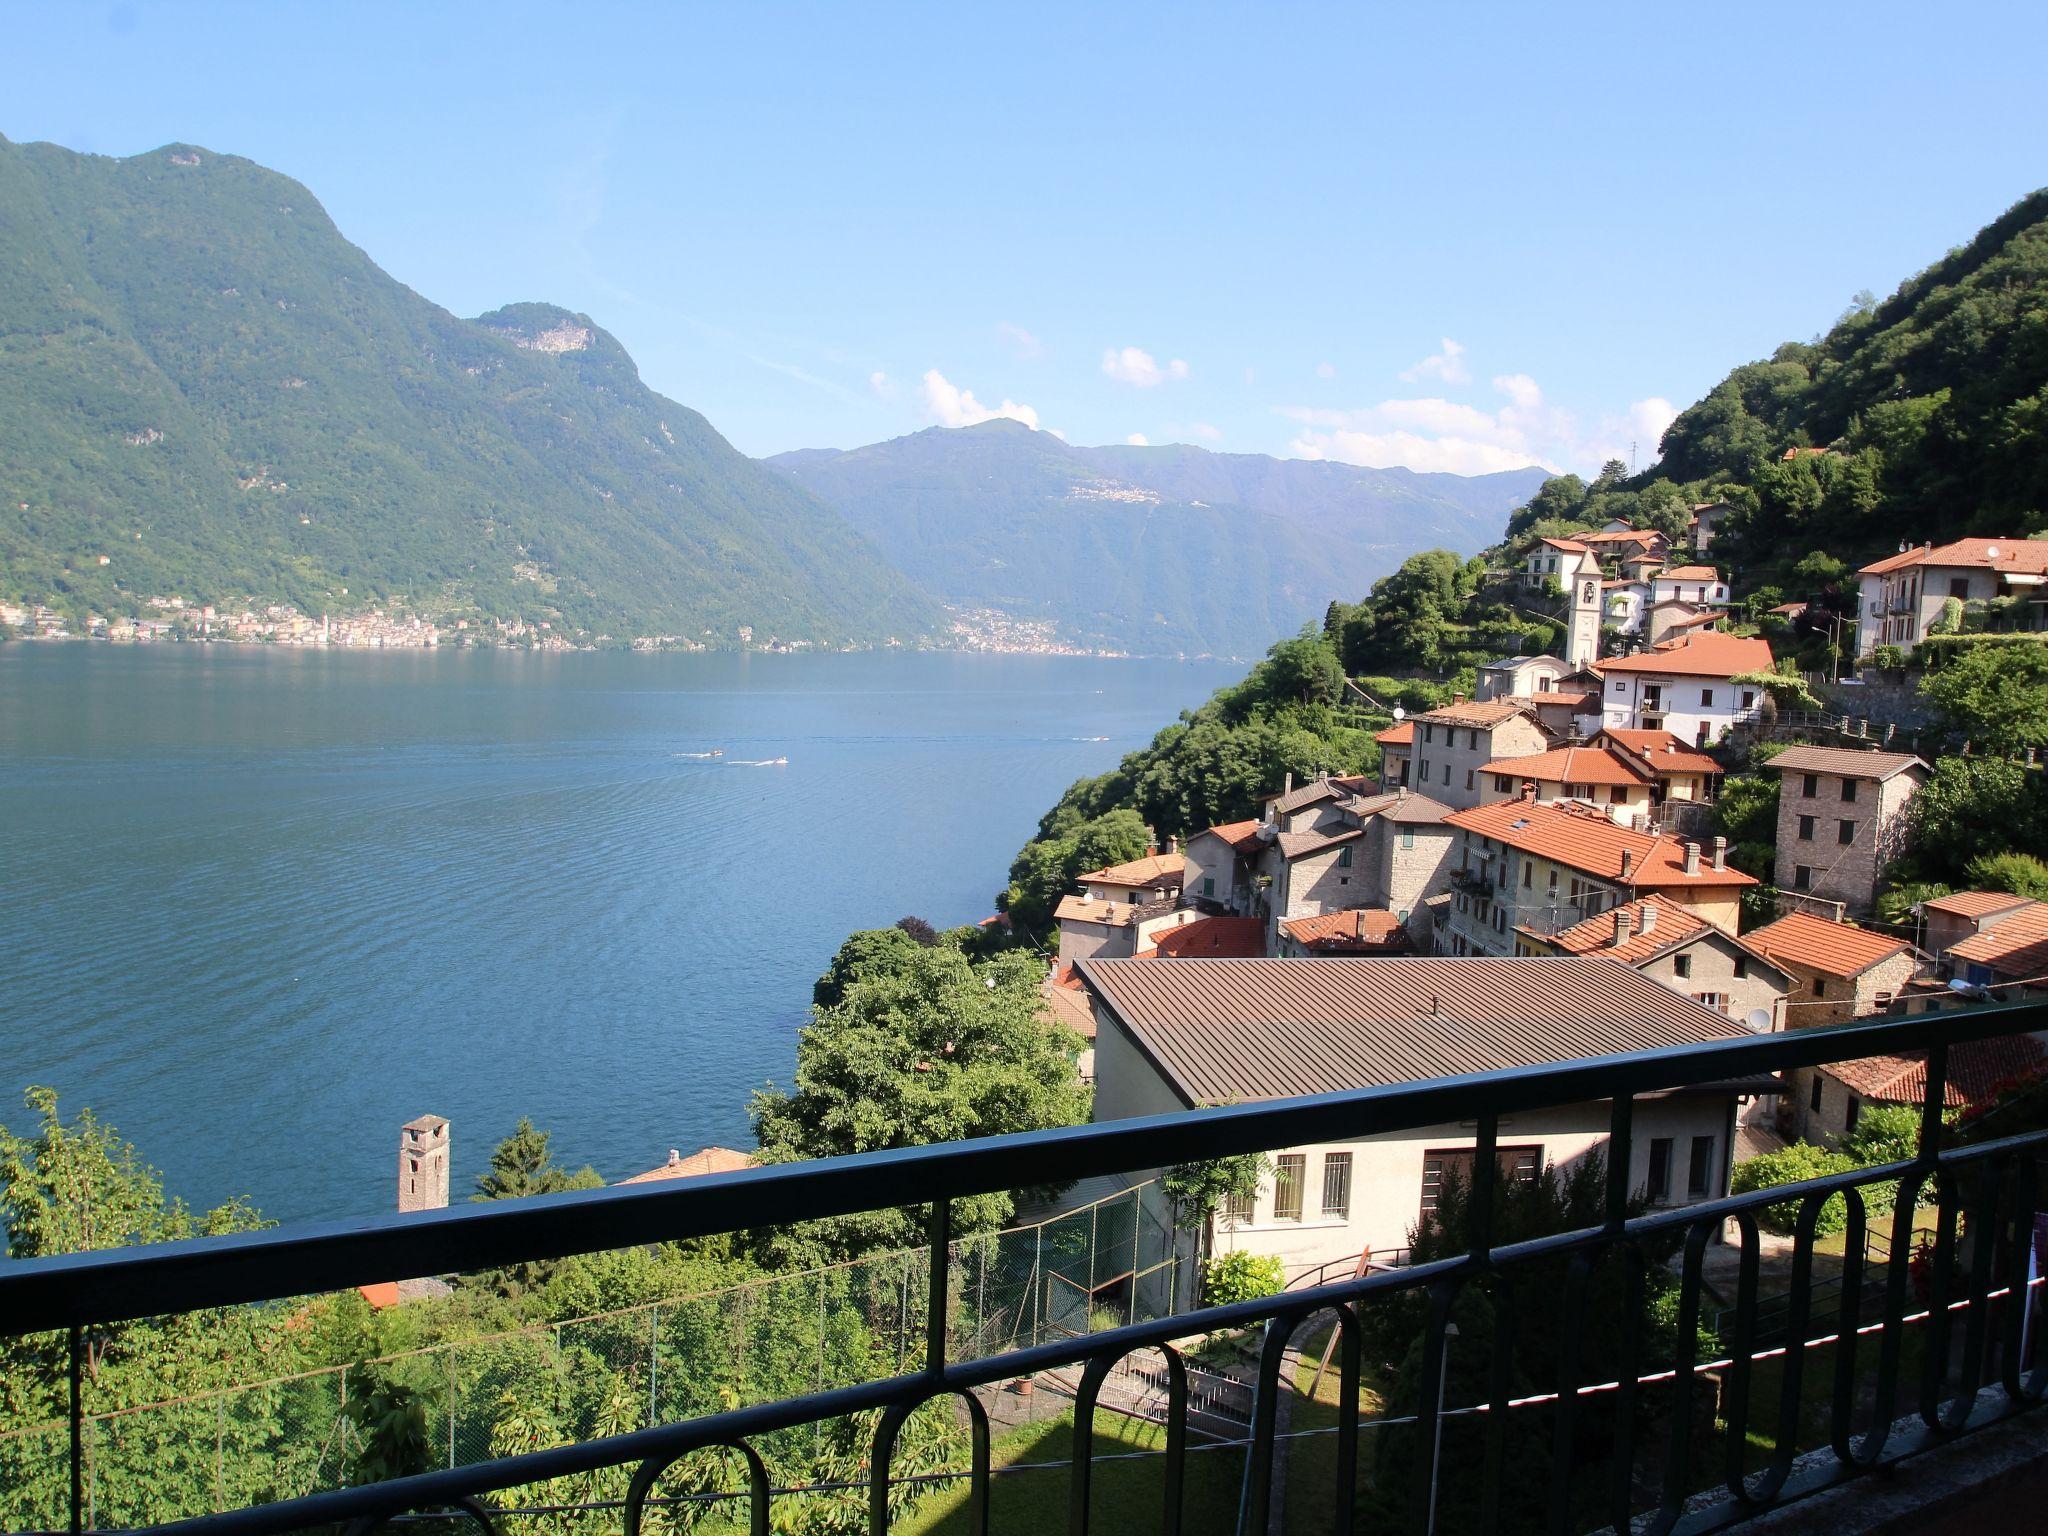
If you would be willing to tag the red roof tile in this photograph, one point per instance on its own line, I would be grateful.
(1366, 931)
(1237, 834)
(704, 1160)
(1708, 654)
(1664, 752)
(2017, 946)
(1570, 765)
(1153, 869)
(1586, 840)
(1689, 573)
(1833, 949)
(2029, 556)
(1976, 903)
(1400, 735)
(1976, 1071)
(1214, 938)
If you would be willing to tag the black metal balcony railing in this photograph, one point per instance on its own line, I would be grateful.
(1998, 1179)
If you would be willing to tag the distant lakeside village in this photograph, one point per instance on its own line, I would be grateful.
(174, 620)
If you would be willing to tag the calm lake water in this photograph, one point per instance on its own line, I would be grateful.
(258, 908)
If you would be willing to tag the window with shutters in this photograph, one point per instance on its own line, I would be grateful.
(1519, 1165)
(1681, 965)
(1810, 787)
(1288, 1171)
(1659, 1187)
(1237, 1210)
(1806, 824)
(1343, 858)
(1337, 1184)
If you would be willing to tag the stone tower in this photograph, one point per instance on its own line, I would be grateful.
(423, 1164)
(1582, 639)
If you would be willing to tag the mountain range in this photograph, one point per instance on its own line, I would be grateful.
(206, 390)
(1152, 550)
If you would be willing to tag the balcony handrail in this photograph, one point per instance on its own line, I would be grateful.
(123, 1284)
(77, 1291)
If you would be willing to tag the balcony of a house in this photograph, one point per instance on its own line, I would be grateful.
(1530, 1368)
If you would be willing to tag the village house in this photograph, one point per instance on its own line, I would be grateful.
(1948, 920)
(1705, 524)
(1624, 603)
(1397, 752)
(1386, 851)
(1682, 771)
(1122, 909)
(1977, 1070)
(1684, 686)
(1558, 560)
(1524, 869)
(2009, 959)
(1841, 820)
(1591, 775)
(1565, 700)
(1454, 743)
(1617, 543)
(1178, 1037)
(1221, 864)
(1210, 938)
(1699, 585)
(1672, 944)
(1519, 677)
(1901, 596)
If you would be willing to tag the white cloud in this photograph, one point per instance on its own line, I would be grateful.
(1447, 365)
(951, 406)
(1519, 388)
(1025, 344)
(1207, 433)
(1139, 440)
(1432, 433)
(1326, 370)
(1130, 365)
(882, 384)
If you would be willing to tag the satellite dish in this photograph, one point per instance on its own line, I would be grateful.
(1400, 714)
(1758, 1019)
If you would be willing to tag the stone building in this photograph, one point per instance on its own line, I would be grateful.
(1841, 820)
(1672, 944)
(1453, 744)
(423, 1164)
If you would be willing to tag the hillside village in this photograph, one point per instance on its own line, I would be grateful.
(1655, 837)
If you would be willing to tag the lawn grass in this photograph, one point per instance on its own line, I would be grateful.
(1125, 1495)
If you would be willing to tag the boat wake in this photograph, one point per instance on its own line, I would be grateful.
(700, 756)
(758, 762)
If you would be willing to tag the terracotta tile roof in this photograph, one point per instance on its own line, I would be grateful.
(1844, 762)
(1317, 790)
(1672, 927)
(1238, 834)
(1833, 949)
(1214, 938)
(1664, 752)
(1689, 573)
(1569, 546)
(1067, 1001)
(1586, 840)
(2017, 946)
(1976, 903)
(702, 1161)
(1976, 1071)
(1400, 735)
(2027, 556)
(1476, 712)
(1115, 914)
(1697, 620)
(1707, 654)
(1571, 765)
(1153, 869)
(1369, 930)
(1224, 1031)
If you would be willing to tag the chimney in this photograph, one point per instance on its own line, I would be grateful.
(1649, 918)
(1692, 858)
(1457, 698)
(1287, 784)
(1720, 853)
(1528, 789)
(1623, 926)
(1173, 844)
(675, 1156)
(1628, 860)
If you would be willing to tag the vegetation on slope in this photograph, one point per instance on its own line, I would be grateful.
(209, 392)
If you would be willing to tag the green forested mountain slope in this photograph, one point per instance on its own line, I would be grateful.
(205, 385)
(1932, 407)
(1151, 550)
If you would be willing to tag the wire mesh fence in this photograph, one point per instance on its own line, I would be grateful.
(1104, 1264)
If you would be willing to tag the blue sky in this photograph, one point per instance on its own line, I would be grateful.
(1446, 235)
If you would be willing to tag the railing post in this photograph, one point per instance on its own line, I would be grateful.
(77, 1431)
(653, 1364)
(936, 1306)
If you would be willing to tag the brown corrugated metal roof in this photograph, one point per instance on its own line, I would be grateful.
(1844, 762)
(1225, 1031)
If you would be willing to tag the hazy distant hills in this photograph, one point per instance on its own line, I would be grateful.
(206, 390)
(1152, 550)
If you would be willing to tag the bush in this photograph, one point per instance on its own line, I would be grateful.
(1241, 1276)
(2019, 874)
(1791, 1165)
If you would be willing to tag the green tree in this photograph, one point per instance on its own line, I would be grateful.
(2021, 874)
(937, 1049)
(867, 952)
(1972, 808)
(1046, 869)
(523, 1165)
(1996, 695)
